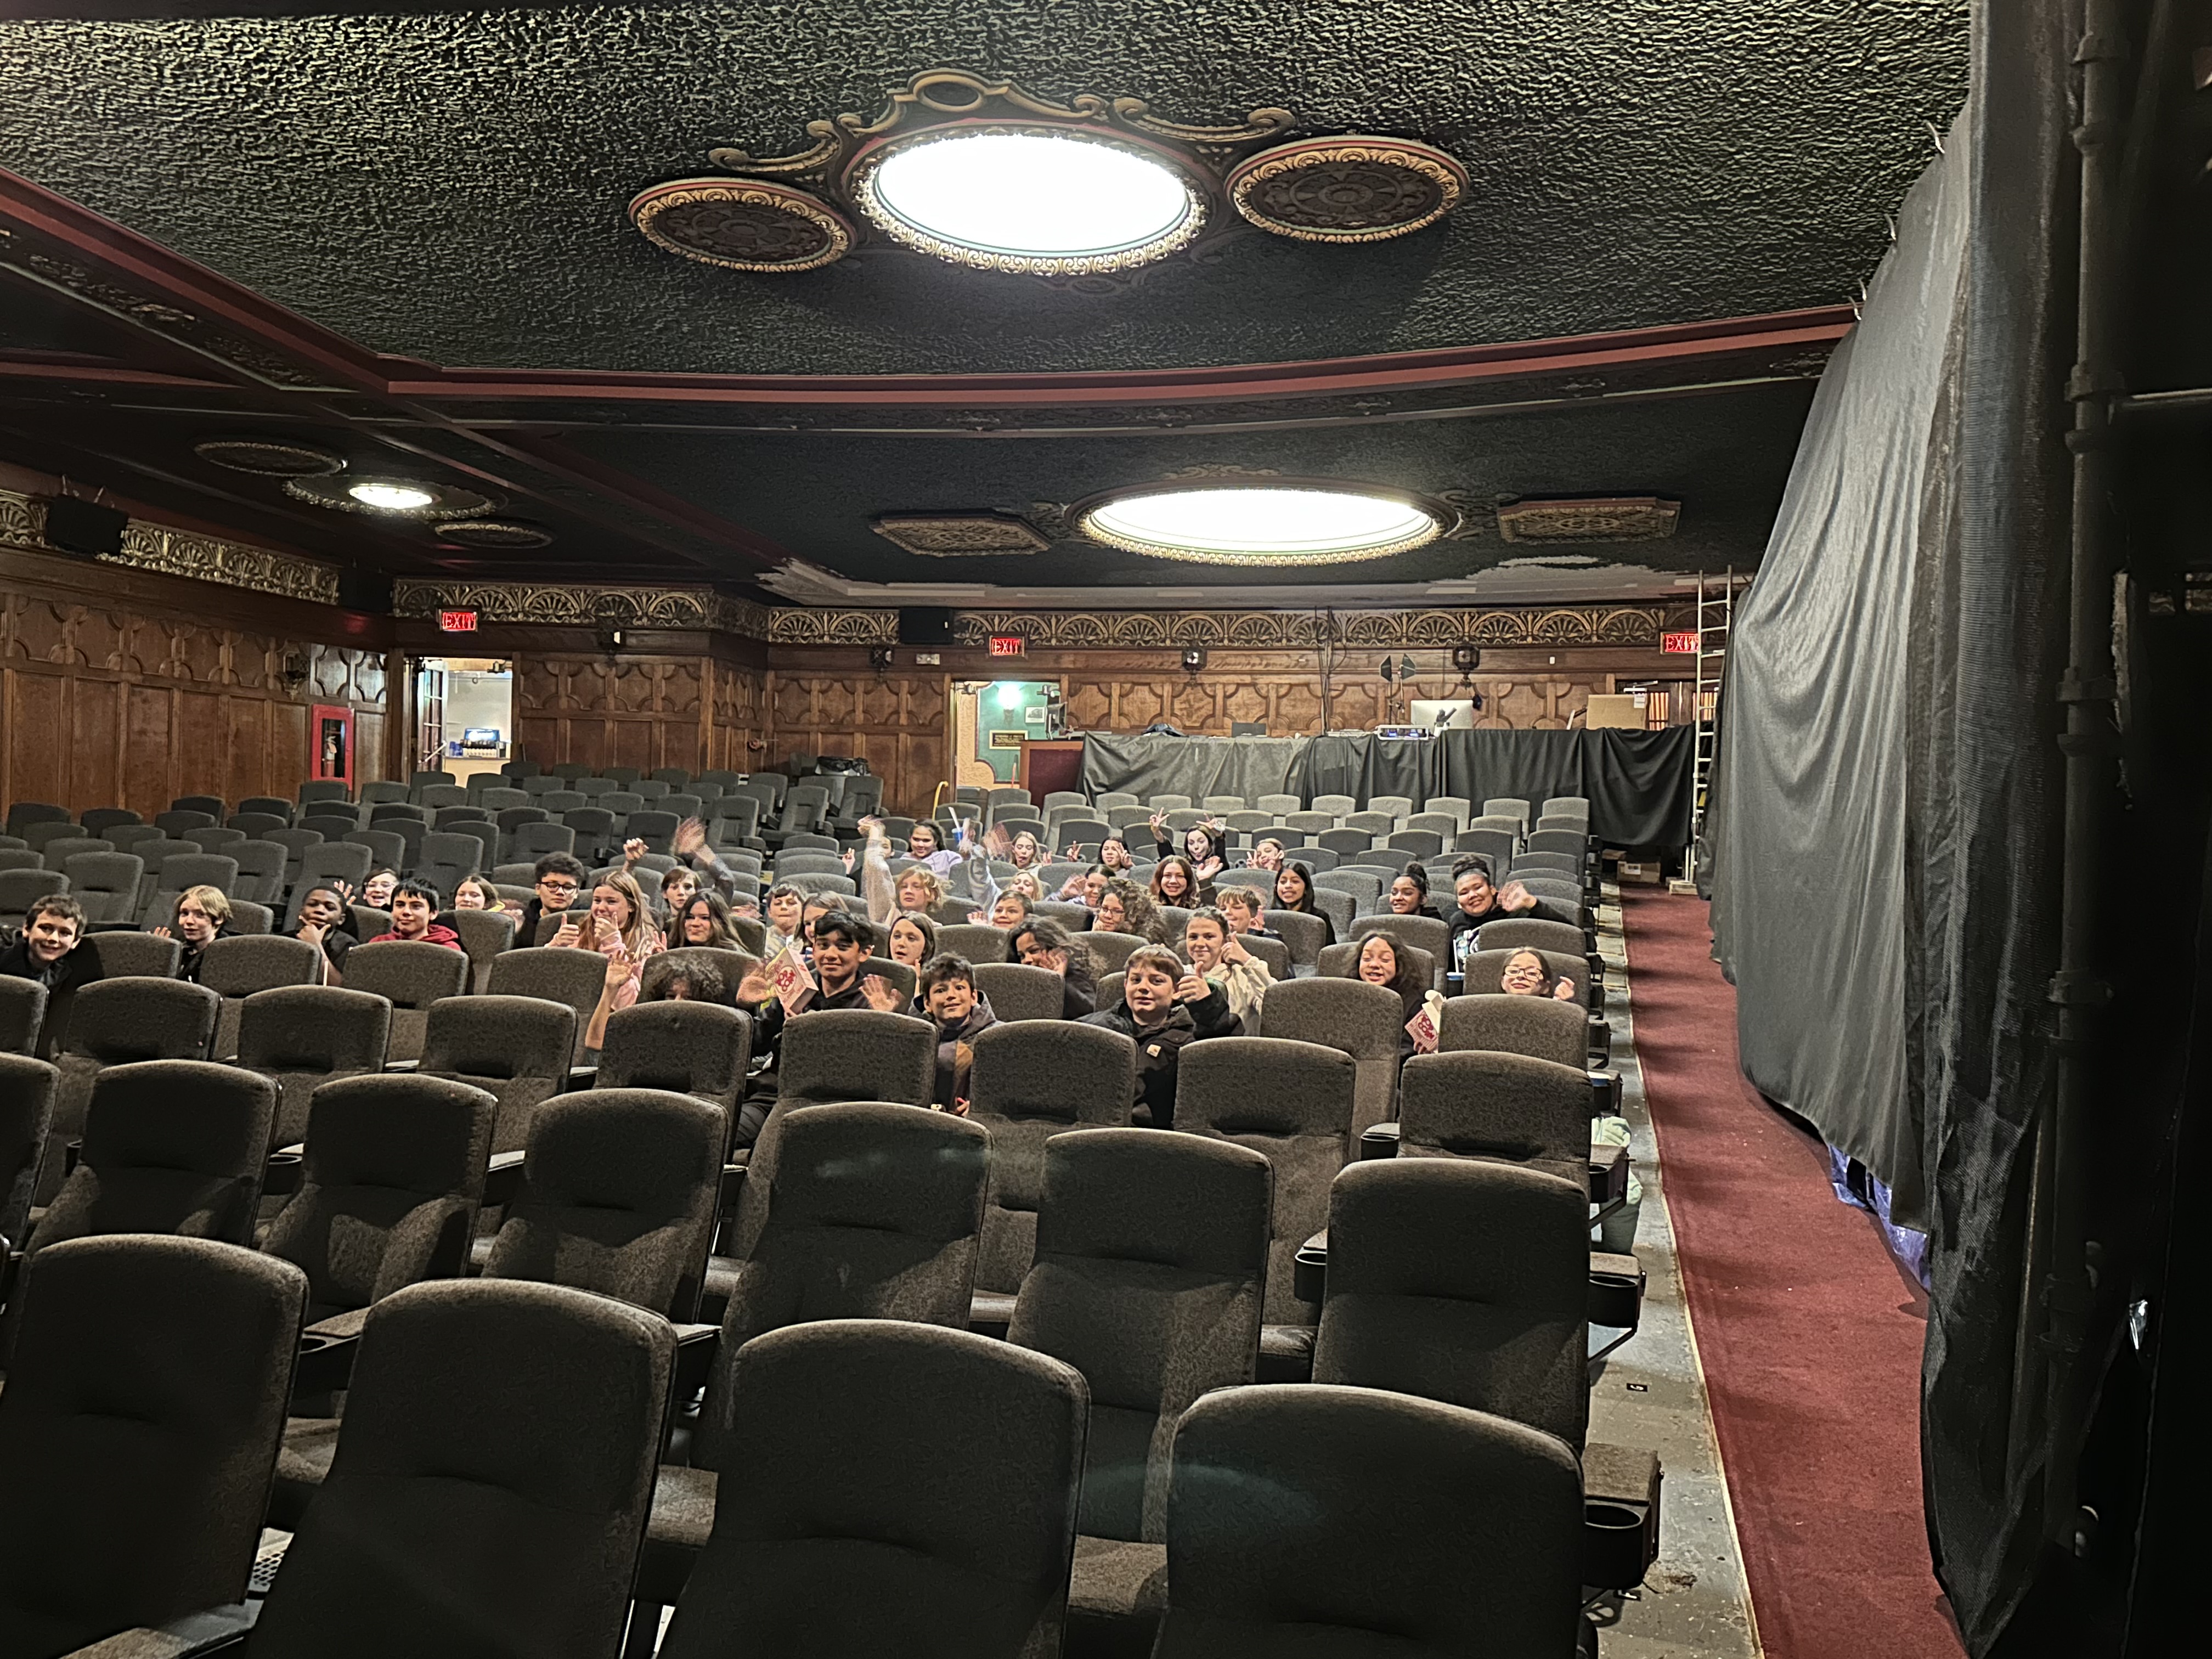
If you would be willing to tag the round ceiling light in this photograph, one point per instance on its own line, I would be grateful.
(270, 457)
(391, 498)
(384, 497)
(1285, 522)
(1020, 200)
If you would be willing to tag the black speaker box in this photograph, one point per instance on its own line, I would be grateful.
(365, 590)
(925, 625)
(86, 527)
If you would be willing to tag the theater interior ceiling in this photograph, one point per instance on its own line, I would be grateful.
(631, 294)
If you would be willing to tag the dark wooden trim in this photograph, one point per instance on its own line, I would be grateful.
(89, 581)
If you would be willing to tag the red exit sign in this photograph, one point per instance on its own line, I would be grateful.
(457, 621)
(1008, 645)
(1679, 645)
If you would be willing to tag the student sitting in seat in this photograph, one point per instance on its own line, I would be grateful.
(1479, 902)
(841, 943)
(1126, 908)
(559, 877)
(323, 918)
(1163, 1008)
(946, 994)
(475, 893)
(1266, 854)
(1043, 943)
(376, 892)
(912, 939)
(1527, 975)
(923, 847)
(1114, 853)
(785, 907)
(1174, 881)
(1218, 956)
(1381, 962)
(49, 948)
(679, 976)
(705, 920)
(414, 917)
(203, 917)
(1294, 892)
(1242, 908)
(620, 928)
(1010, 910)
(1409, 893)
(1085, 888)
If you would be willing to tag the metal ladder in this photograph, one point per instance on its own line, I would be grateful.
(1716, 614)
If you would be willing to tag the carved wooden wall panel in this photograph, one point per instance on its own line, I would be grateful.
(110, 705)
(896, 722)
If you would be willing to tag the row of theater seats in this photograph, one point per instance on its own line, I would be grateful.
(1450, 1330)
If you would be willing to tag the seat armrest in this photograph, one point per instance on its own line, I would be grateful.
(696, 1348)
(403, 1064)
(581, 1078)
(1621, 1490)
(201, 1635)
(1379, 1140)
(1605, 1094)
(280, 1174)
(72, 1154)
(1608, 1173)
(326, 1354)
(1309, 1267)
(502, 1179)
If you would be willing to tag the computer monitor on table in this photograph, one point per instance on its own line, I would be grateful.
(1442, 714)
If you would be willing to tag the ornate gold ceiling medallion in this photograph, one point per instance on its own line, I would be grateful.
(742, 224)
(959, 535)
(270, 458)
(509, 534)
(1349, 189)
(446, 501)
(1615, 519)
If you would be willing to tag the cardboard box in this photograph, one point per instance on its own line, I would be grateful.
(1618, 713)
(1641, 875)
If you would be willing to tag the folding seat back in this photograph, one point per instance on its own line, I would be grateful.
(1312, 1518)
(25, 813)
(619, 804)
(572, 978)
(532, 841)
(1484, 970)
(1549, 865)
(214, 806)
(1032, 1081)
(814, 1554)
(327, 864)
(976, 941)
(619, 1197)
(1462, 1281)
(107, 884)
(1310, 823)
(295, 843)
(410, 975)
(1292, 1102)
(235, 968)
(159, 1428)
(21, 858)
(261, 866)
(56, 851)
(875, 1212)
(1017, 990)
(1419, 843)
(1458, 808)
(1393, 807)
(789, 864)
(182, 821)
(1424, 933)
(1538, 1027)
(301, 1036)
(22, 1011)
(27, 1115)
(123, 956)
(1113, 797)
(119, 1022)
(484, 935)
(1563, 806)
(388, 847)
(444, 858)
(515, 1049)
(1507, 806)
(99, 820)
(322, 789)
(595, 831)
(394, 1173)
(1531, 933)
(269, 805)
(20, 889)
(1363, 882)
(1152, 1260)
(1505, 1107)
(170, 1146)
(1305, 935)
(180, 873)
(1365, 1022)
(475, 812)
(1168, 803)
(481, 1410)
(698, 1048)
(127, 837)
(654, 827)
(1347, 840)
(1495, 842)
(857, 1053)
(1559, 840)
(1336, 806)
(220, 839)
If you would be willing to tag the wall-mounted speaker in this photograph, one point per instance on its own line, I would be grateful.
(365, 590)
(925, 625)
(84, 527)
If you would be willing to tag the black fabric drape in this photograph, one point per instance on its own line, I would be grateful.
(1146, 765)
(1531, 766)
(1640, 784)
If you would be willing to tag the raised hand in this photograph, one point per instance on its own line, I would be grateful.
(1514, 895)
(632, 850)
(690, 838)
(618, 968)
(568, 936)
(756, 986)
(1159, 820)
(1564, 990)
(1192, 989)
(163, 933)
(883, 996)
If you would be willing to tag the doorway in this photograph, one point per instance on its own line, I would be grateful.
(991, 719)
(464, 715)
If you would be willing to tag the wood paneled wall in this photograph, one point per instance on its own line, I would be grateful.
(672, 705)
(122, 689)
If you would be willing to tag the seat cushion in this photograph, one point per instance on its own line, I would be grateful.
(683, 1516)
(1286, 1353)
(1116, 1594)
(303, 1463)
(716, 1289)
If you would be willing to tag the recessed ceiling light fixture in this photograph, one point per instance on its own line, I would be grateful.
(391, 498)
(385, 497)
(1286, 521)
(1029, 199)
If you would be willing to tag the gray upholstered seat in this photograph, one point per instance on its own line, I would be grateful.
(327, 863)
(301, 1036)
(394, 1173)
(235, 968)
(1425, 934)
(118, 1022)
(444, 858)
(170, 1146)
(56, 851)
(22, 1011)
(261, 867)
(697, 1048)
(160, 1428)
(410, 975)
(857, 1053)
(1305, 935)
(1540, 1027)
(1529, 932)
(1292, 1102)
(1508, 1108)
(976, 941)
(815, 1556)
(135, 956)
(1459, 808)
(516, 1048)
(573, 978)
(1017, 990)
(1342, 962)
(481, 1410)
(484, 935)
(179, 872)
(1364, 1022)
(20, 889)
(1032, 1081)
(1108, 950)
(1152, 1260)
(27, 1114)
(99, 820)
(1315, 1519)
(1485, 969)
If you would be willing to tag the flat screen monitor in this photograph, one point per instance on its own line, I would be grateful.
(480, 736)
(1438, 714)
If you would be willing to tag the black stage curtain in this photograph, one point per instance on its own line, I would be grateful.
(1884, 831)
(1640, 784)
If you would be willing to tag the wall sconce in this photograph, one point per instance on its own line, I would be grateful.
(1466, 658)
(295, 671)
(1193, 660)
(879, 659)
(610, 638)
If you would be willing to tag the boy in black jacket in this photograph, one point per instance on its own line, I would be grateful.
(1164, 1006)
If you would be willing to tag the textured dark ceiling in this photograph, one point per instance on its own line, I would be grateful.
(452, 187)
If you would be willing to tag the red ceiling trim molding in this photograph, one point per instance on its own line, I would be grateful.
(161, 274)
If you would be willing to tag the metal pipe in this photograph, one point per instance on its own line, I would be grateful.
(2089, 744)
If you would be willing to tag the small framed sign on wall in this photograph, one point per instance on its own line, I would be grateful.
(331, 741)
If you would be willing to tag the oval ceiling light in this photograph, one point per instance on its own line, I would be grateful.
(1288, 521)
(1019, 199)
(391, 498)
(382, 497)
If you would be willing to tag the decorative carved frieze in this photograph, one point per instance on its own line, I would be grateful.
(959, 535)
(1617, 518)
(180, 553)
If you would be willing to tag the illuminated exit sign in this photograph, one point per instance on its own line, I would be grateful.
(1008, 645)
(1679, 645)
(457, 621)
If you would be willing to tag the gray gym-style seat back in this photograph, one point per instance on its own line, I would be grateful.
(515, 1049)
(27, 1114)
(857, 1053)
(118, 1022)
(571, 977)
(235, 968)
(1508, 1108)
(301, 1036)
(1365, 1023)
(1541, 1027)
(412, 974)
(697, 1048)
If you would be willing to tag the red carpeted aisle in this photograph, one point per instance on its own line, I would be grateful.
(1808, 1332)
